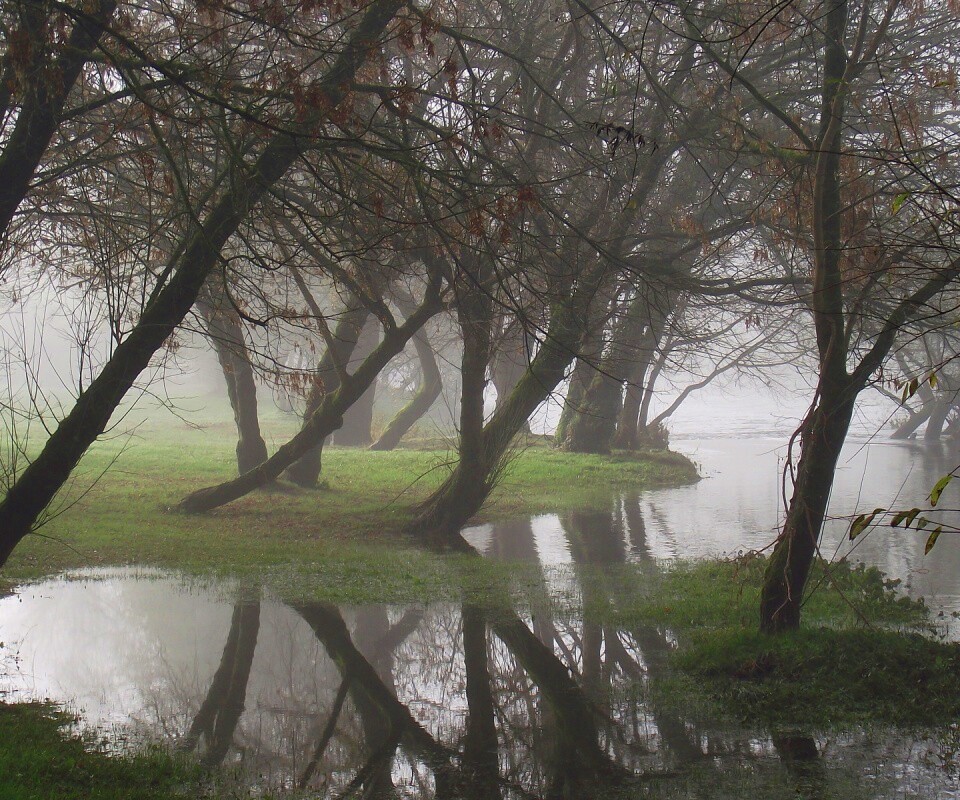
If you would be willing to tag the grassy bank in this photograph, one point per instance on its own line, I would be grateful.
(114, 512)
(40, 759)
(864, 654)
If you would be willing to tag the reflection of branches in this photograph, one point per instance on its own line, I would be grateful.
(328, 625)
(326, 735)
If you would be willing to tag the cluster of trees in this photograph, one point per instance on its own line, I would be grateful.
(584, 194)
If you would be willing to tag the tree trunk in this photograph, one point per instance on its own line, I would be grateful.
(938, 417)
(594, 425)
(42, 97)
(226, 336)
(636, 403)
(427, 393)
(460, 497)
(825, 430)
(357, 422)
(39, 483)
(326, 380)
(511, 357)
(470, 482)
(917, 418)
(324, 421)
(825, 426)
(581, 377)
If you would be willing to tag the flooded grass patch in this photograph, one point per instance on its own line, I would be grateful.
(114, 514)
(41, 758)
(826, 676)
(864, 653)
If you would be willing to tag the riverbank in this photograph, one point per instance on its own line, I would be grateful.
(343, 534)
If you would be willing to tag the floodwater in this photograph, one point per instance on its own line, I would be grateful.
(453, 699)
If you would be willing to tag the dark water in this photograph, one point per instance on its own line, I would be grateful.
(454, 699)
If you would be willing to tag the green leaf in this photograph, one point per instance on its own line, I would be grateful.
(932, 380)
(899, 200)
(861, 523)
(904, 516)
(932, 539)
(938, 489)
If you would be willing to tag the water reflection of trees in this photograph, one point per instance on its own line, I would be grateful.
(478, 700)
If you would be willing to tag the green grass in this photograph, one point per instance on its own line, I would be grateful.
(40, 760)
(339, 543)
(864, 654)
(823, 676)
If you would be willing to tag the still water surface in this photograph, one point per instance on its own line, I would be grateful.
(452, 699)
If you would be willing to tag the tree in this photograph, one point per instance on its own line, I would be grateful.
(238, 188)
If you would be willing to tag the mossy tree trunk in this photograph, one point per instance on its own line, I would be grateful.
(636, 401)
(594, 424)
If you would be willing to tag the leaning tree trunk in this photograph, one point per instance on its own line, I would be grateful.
(357, 422)
(39, 483)
(226, 336)
(824, 431)
(906, 429)
(445, 512)
(431, 385)
(938, 418)
(324, 421)
(306, 470)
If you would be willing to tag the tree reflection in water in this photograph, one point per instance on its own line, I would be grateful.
(476, 699)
